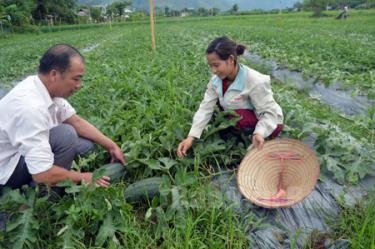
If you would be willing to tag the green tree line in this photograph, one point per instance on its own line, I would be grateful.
(317, 6)
(22, 15)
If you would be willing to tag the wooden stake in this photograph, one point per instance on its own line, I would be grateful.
(152, 25)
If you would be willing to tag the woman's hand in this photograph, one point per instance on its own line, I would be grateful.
(258, 141)
(184, 146)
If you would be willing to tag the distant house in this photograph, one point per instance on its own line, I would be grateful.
(128, 11)
(83, 12)
(50, 19)
(187, 12)
(83, 15)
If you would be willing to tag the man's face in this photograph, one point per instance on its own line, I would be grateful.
(69, 81)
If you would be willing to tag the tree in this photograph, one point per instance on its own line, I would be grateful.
(174, 13)
(235, 8)
(1, 9)
(61, 10)
(118, 8)
(111, 11)
(158, 11)
(19, 11)
(298, 6)
(202, 12)
(214, 11)
(96, 13)
(166, 11)
(317, 6)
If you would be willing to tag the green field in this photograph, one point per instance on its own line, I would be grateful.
(144, 100)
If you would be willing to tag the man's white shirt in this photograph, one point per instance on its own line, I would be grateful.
(27, 113)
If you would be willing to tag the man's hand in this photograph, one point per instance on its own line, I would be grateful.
(258, 141)
(184, 146)
(57, 174)
(116, 154)
(87, 130)
(102, 181)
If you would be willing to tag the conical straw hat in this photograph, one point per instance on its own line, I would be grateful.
(286, 164)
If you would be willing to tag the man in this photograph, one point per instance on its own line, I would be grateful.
(346, 11)
(40, 132)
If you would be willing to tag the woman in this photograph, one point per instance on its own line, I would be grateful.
(239, 88)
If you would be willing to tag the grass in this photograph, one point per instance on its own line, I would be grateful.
(357, 224)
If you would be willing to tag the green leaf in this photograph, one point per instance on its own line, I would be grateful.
(23, 229)
(152, 164)
(149, 213)
(107, 230)
(332, 165)
(165, 186)
(168, 163)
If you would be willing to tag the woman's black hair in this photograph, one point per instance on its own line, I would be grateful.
(225, 47)
(58, 57)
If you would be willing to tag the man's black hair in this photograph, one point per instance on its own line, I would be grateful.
(58, 58)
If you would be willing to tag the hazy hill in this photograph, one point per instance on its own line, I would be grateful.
(262, 4)
(221, 4)
(180, 4)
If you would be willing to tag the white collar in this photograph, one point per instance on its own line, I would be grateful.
(42, 89)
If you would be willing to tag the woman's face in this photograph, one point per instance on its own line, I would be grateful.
(222, 68)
